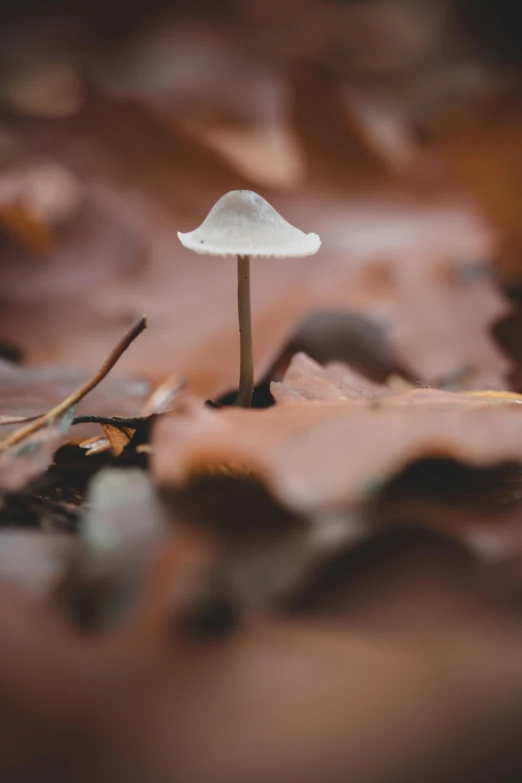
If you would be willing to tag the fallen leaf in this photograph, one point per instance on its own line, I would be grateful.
(328, 336)
(118, 438)
(305, 379)
(362, 443)
(118, 435)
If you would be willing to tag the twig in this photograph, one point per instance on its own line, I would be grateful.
(113, 421)
(18, 419)
(22, 433)
(160, 398)
(164, 394)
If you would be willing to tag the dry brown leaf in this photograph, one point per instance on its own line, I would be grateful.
(119, 438)
(339, 336)
(307, 380)
(116, 438)
(326, 455)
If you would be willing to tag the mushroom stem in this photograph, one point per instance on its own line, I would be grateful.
(246, 366)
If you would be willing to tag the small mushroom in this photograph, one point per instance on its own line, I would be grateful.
(243, 224)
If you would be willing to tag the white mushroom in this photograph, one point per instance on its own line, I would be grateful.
(243, 224)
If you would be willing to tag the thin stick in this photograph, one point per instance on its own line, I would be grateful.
(17, 419)
(112, 421)
(22, 433)
(246, 365)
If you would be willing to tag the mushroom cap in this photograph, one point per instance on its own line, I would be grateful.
(242, 223)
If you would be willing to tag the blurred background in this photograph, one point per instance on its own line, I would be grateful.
(389, 127)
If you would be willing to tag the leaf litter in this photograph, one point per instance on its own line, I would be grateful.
(339, 571)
